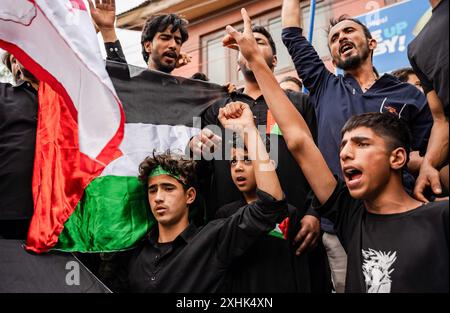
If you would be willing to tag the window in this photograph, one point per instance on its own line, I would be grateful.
(218, 63)
(284, 59)
(216, 56)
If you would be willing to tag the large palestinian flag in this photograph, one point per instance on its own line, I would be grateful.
(86, 193)
(162, 113)
(81, 121)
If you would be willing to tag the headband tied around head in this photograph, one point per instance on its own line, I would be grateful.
(159, 170)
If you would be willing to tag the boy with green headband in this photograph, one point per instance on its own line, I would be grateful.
(178, 257)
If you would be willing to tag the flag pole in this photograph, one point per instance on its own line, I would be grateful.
(312, 13)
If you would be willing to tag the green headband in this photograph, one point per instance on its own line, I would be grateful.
(158, 170)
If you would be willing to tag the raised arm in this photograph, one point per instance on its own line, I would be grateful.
(240, 230)
(309, 66)
(103, 15)
(290, 13)
(237, 116)
(295, 131)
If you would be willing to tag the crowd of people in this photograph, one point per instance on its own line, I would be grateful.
(357, 200)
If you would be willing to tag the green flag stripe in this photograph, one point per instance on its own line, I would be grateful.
(113, 215)
(276, 232)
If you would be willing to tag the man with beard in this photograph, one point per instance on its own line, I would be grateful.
(223, 190)
(162, 37)
(337, 98)
(18, 123)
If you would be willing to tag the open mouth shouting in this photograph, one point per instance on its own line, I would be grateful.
(353, 176)
(241, 181)
(172, 56)
(346, 48)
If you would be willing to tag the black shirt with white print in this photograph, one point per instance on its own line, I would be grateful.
(403, 252)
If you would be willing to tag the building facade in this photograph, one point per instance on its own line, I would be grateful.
(208, 19)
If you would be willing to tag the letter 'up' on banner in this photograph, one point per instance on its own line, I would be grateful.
(81, 120)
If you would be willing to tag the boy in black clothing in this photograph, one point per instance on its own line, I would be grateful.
(270, 265)
(394, 242)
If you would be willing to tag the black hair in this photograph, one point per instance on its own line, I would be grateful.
(200, 76)
(293, 79)
(159, 23)
(346, 17)
(393, 129)
(263, 31)
(403, 73)
(173, 163)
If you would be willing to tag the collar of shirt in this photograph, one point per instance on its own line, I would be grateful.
(239, 95)
(380, 83)
(25, 84)
(185, 236)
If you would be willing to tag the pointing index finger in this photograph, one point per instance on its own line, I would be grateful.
(247, 21)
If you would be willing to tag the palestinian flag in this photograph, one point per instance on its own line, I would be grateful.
(162, 113)
(281, 230)
(272, 126)
(81, 121)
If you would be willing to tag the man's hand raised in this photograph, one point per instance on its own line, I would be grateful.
(245, 42)
(236, 116)
(183, 59)
(103, 15)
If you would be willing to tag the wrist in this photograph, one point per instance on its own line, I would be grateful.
(257, 60)
(108, 34)
(427, 162)
(247, 130)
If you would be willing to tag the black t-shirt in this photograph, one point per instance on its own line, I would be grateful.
(428, 54)
(293, 183)
(404, 252)
(270, 264)
(18, 123)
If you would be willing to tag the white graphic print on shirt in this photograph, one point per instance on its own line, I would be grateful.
(376, 271)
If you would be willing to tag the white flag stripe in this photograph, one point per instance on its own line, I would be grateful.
(140, 140)
(79, 70)
(79, 33)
